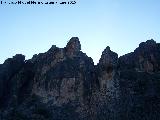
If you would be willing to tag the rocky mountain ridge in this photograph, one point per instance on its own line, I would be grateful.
(64, 84)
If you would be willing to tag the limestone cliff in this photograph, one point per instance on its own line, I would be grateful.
(64, 84)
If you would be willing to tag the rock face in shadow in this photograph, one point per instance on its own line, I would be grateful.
(139, 82)
(145, 58)
(64, 84)
(104, 95)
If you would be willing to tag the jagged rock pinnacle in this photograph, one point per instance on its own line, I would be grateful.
(73, 46)
(64, 84)
(107, 50)
(108, 57)
(148, 43)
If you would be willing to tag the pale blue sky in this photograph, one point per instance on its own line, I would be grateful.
(120, 24)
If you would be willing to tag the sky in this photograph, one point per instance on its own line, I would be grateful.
(120, 24)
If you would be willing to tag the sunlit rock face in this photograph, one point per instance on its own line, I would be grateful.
(64, 84)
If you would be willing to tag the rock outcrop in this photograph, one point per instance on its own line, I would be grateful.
(64, 84)
(105, 94)
(139, 80)
(145, 58)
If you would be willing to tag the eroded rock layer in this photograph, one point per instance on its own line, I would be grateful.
(64, 84)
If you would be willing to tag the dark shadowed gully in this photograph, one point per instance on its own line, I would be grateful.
(64, 84)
